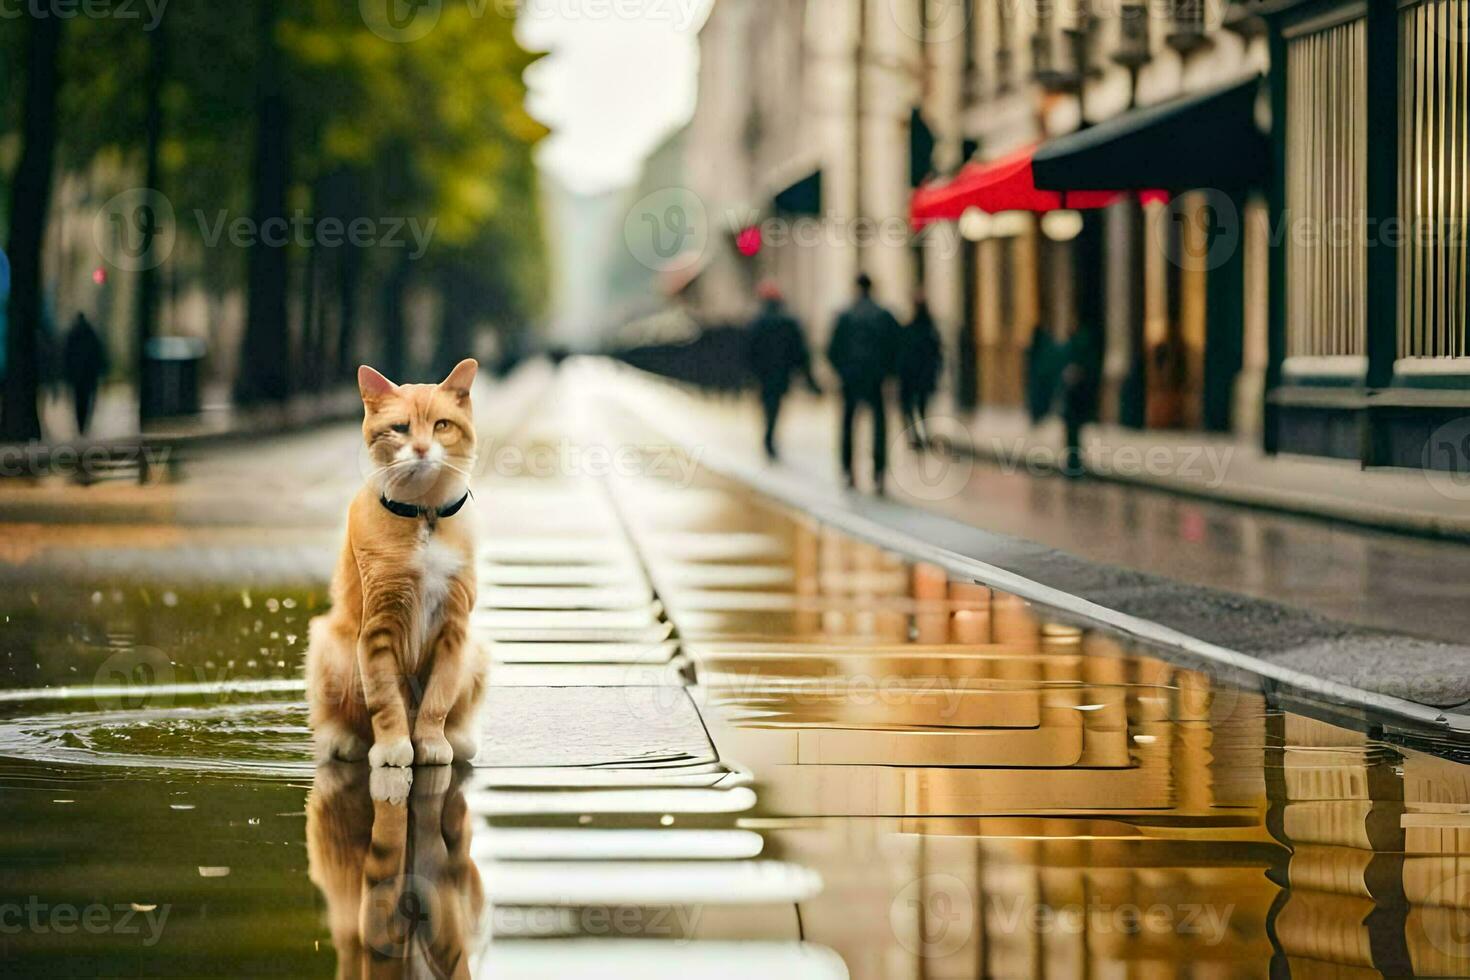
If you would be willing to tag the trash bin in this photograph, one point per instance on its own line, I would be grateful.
(172, 367)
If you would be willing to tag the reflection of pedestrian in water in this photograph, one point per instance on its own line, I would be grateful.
(777, 350)
(84, 362)
(920, 357)
(864, 345)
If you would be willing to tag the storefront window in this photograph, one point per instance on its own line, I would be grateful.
(1434, 73)
(1325, 200)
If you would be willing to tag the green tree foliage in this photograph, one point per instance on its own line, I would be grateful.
(433, 130)
(439, 124)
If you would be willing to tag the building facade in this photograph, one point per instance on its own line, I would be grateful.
(1204, 194)
(1368, 279)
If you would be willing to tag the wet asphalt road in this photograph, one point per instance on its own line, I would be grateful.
(725, 740)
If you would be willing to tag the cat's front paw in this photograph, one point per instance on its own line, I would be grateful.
(394, 752)
(465, 742)
(432, 750)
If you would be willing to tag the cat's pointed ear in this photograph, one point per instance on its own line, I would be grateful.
(462, 378)
(372, 384)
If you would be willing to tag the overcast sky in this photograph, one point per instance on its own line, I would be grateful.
(621, 74)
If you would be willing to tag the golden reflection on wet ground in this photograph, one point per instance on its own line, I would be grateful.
(984, 791)
(987, 792)
(732, 742)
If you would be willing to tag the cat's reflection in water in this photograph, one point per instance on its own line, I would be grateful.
(389, 850)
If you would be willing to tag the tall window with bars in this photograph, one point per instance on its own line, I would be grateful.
(1326, 133)
(1434, 76)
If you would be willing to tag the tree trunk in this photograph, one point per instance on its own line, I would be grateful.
(349, 281)
(265, 357)
(30, 201)
(456, 324)
(395, 318)
(310, 378)
(340, 195)
(146, 312)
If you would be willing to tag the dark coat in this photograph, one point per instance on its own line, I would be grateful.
(865, 345)
(1081, 381)
(921, 355)
(778, 349)
(83, 357)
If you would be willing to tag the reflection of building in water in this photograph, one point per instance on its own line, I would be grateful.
(1338, 803)
(1378, 873)
(989, 792)
(1436, 874)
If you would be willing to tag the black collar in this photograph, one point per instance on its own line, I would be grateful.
(430, 514)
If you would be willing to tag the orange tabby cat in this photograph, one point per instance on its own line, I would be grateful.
(391, 671)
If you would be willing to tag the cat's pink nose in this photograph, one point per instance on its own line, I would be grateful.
(421, 450)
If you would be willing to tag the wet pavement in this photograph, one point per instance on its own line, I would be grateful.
(1411, 663)
(724, 740)
(1345, 572)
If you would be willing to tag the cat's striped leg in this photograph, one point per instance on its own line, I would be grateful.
(379, 652)
(462, 727)
(446, 678)
(334, 694)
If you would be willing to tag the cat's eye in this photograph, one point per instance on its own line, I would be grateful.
(401, 428)
(441, 426)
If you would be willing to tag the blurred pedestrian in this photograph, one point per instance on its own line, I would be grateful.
(864, 346)
(920, 358)
(777, 350)
(84, 361)
(1045, 361)
(1080, 390)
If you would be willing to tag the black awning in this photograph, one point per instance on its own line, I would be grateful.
(802, 197)
(1205, 140)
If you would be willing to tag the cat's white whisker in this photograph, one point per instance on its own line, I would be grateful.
(464, 473)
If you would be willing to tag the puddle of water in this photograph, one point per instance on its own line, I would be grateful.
(877, 772)
(136, 640)
(989, 792)
(125, 872)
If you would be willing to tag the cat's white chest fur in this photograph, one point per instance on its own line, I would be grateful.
(439, 563)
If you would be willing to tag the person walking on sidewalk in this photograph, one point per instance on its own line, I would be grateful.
(1080, 390)
(777, 349)
(920, 357)
(84, 361)
(865, 343)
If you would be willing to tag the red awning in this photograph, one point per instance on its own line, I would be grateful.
(1004, 184)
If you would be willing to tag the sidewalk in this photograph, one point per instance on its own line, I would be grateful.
(1353, 616)
(116, 416)
(264, 474)
(1226, 468)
